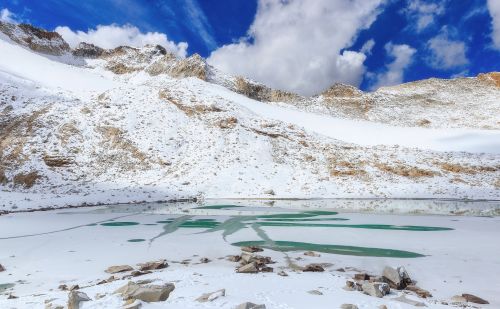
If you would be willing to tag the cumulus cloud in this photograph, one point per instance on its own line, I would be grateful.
(424, 13)
(402, 56)
(446, 53)
(7, 16)
(299, 45)
(111, 36)
(494, 8)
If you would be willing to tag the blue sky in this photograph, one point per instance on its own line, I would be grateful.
(412, 39)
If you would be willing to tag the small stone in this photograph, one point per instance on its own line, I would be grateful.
(211, 296)
(234, 258)
(266, 269)
(312, 253)
(348, 306)
(474, 299)
(282, 273)
(153, 265)
(340, 270)
(137, 273)
(63, 287)
(352, 286)
(315, 292)
(251, 249)
(75, 298)
(408, 301)
(12, 296)
(420, 292)
(205, 260)
(314, 268)
(249, 305)
(249, 268)
(101, 282)
(376, 289)
(118, 269)
(2, 268)
(132, 304)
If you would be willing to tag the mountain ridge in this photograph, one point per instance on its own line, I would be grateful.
(139, 124)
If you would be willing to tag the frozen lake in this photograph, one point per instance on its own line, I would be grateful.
(446, 252)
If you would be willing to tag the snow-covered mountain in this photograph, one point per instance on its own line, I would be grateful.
(100, 126)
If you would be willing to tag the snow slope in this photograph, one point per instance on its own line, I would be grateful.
(82, 134)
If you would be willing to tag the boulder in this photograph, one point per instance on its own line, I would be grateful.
(211, 296)
(2, 268)
(118, 269)
(205, 260)
(348, 306)
(376, 289)
(474, 299)
(404, 299)
(458, 299)
(75, 298)
(249, 268)
(282, 273)
(146, 293)
(249, 305)
(314, 268)
(234, 258)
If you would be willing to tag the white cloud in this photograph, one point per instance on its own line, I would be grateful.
(367, 47)
(111, 36)
(402, 57)
(494, 8)
(296, 44)
(424, 13)
(445, 52)
(7, 16)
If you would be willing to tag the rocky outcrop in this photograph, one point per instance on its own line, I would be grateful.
(261, 92)
(492, 78)
(36, 39)
(86, 50)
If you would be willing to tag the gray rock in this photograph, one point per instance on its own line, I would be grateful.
(348, 306)
(249, 305)
(146, 293)
(153, 265)
(282, 273)
(397, 278)
(408, 301)
(118, 269)
(211, 296)
(2, 268)
(75, 298)
(249, 268)
(376, 289)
